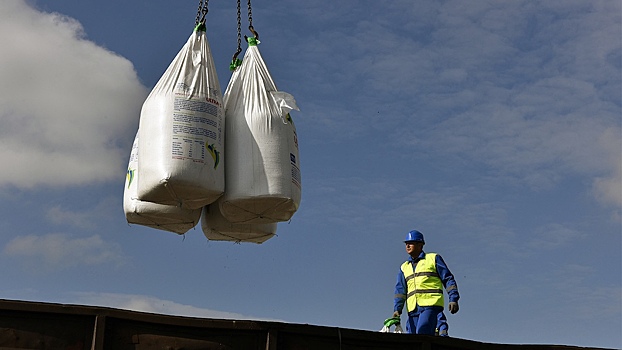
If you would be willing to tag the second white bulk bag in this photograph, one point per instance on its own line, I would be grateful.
(217, 228)
(182, 131)
(164, 217)
(262, 166)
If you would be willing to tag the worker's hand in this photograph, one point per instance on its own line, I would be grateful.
(396, 314)
(453, 307)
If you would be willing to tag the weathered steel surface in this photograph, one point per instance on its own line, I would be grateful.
(32, 325)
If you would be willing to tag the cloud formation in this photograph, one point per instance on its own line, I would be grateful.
(529, 92)
(553, 236)
(145, 303)
(57, 251)
(87, 217)
(534, 94)
(68, 107)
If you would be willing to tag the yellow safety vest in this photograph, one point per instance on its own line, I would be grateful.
(424, 286)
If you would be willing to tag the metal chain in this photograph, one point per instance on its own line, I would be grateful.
(250, 14)
(234, 61)
(239, 30)
(250, 21)
(201, 12)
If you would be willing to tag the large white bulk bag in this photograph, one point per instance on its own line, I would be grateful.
(262, 166)
(182, 137)
(164, 217)
(217, 228)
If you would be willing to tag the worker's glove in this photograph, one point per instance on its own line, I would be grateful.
(393, 321)
(396, 314)
(453, 307)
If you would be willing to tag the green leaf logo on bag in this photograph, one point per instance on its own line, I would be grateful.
(214, 153)
(130, 176)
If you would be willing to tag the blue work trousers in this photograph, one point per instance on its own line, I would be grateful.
(423, 320)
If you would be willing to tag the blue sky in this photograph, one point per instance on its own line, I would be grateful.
(493, 127)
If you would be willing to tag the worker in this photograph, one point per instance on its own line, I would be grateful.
(442, 327)
(420, 283)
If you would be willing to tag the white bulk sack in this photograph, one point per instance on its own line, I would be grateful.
(262, 166)
(218, 228)
(164, 217)
(181, 125)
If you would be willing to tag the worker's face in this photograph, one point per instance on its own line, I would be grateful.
(414, 248)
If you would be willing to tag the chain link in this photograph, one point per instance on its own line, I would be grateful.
(237, 52)
(250, 15)
(201, 12)
(235, 61)
(239, 30)
(250, 21)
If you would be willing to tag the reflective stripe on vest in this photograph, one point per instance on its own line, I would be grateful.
(424, 286)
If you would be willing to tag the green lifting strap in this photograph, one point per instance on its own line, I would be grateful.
(235, 63)
(200, 27)
(252, 41)
(392, 321)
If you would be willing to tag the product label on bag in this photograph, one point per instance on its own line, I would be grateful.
(196, 129)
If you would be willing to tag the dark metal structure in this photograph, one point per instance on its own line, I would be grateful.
(34, 325)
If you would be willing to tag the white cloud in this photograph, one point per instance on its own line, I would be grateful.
(57, 251)
(438, 210)
(68, 107)
(59, 215)
(538, 103)
(529, 90)
(608, 189)
(585, 301)
(553, 236)
(151, 304)
(537, 148)
(87, 218)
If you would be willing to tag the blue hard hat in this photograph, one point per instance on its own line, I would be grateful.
(414, 236)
